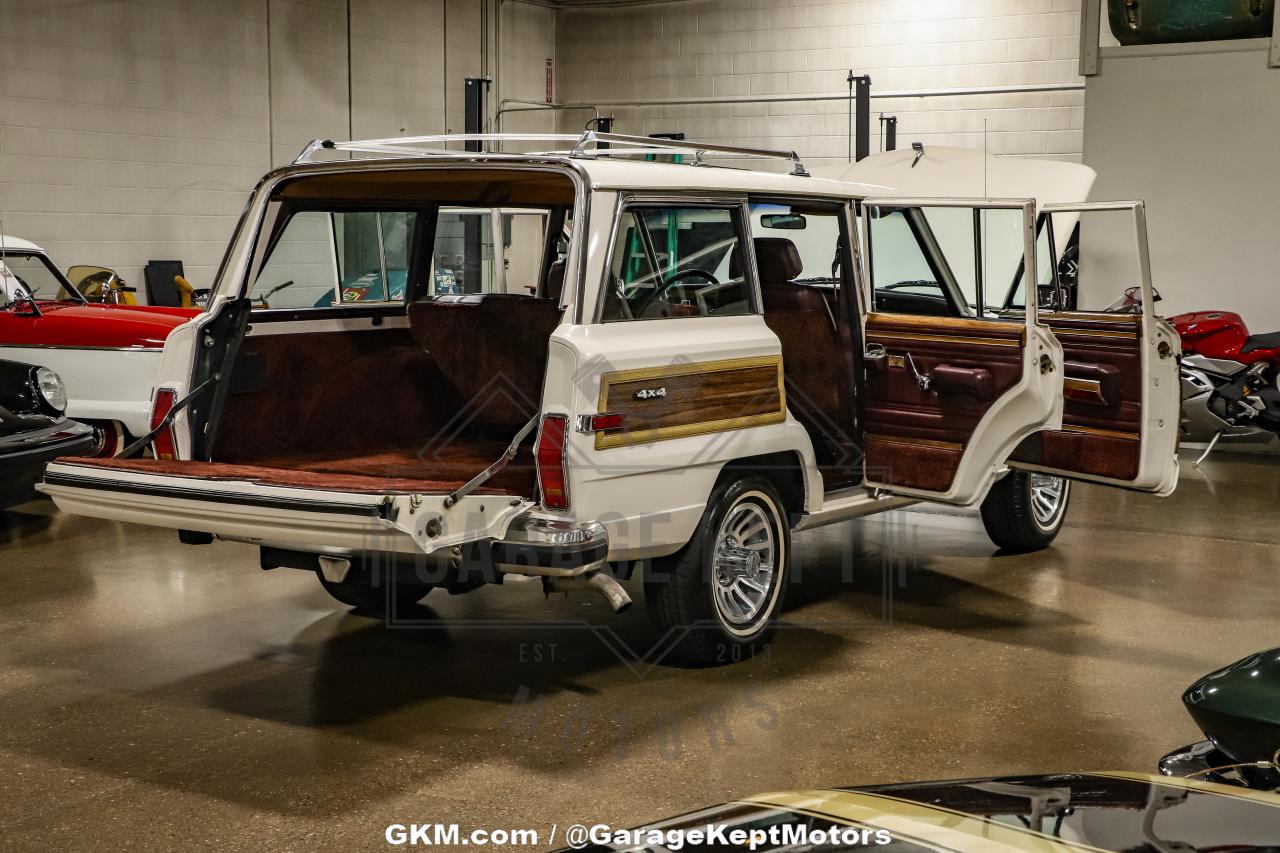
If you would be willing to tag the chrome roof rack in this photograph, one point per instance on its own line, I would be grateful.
(586, 145)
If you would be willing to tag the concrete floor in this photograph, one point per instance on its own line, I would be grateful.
(157, 696)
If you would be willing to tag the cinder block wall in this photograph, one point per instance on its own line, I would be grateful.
(701, 48)
(133, 129)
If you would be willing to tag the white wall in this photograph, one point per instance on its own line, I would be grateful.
(729, 47)
(133, 129)
(1192, 131)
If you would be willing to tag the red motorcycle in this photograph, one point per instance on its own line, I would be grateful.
(1229, 378)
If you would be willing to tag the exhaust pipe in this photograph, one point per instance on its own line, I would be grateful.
(596, 581)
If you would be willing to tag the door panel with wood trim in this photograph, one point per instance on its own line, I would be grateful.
(1120, 382)
(971, 364)
(950, 385)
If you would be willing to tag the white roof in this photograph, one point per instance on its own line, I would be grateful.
(621, 173)
(949, 172)
(17, 244)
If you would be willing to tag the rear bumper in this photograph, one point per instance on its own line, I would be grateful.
(550, 548)
(313, 521)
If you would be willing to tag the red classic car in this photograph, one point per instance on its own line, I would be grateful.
(106, 354)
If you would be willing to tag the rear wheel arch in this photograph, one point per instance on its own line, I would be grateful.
(785, 469)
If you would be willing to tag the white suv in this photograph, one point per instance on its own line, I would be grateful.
(679, 365)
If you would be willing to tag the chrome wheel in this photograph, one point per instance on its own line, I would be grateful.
(744, 563)
(1048, 499)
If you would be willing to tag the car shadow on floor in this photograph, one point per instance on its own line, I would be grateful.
(353, 696)
(498, 676)
(19, 523)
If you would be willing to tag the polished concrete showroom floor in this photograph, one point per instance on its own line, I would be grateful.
(158, 696)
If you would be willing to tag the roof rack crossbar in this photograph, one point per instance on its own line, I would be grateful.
(698, 149)
(584, 145)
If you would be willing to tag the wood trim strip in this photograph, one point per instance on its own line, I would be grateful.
(915, 442)
(1087, 390)
(1093, 333)
(875, 335)
(744, 395)
(1093, 317)
(924, 321)
(1106, 433)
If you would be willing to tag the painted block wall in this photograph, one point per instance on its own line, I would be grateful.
(134, 129)
(746, 48)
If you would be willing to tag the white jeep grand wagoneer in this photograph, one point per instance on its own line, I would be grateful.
(660, 367)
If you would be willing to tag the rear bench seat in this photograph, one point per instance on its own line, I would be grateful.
(491, 348)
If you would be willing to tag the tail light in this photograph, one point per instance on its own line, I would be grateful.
(549, 454)
(163, 442)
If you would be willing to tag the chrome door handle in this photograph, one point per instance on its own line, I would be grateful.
(922, 379)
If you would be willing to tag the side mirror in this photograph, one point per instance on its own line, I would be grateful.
(25, 306)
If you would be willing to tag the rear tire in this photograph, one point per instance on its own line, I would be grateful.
(720, 593)
(370, 594)
(1024, 510)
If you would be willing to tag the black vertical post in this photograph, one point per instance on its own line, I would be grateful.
(891, 133)
(862, 117)
(473, 103)
(604, 124)
(473, 122)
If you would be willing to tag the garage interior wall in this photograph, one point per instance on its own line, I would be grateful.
(132, 130)
(1179, 127)
(706, 48)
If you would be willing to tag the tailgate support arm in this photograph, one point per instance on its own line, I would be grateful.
(168, 419)
(479, 479)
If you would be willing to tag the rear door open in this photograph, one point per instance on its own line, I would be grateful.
(1120, 372)
(952, 383)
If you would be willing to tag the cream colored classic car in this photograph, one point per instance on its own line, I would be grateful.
(681, 364)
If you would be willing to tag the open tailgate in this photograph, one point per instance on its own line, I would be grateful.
(281, 516)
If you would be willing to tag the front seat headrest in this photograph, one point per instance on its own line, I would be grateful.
(777, 260)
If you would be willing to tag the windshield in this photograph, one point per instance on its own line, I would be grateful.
(24, 274)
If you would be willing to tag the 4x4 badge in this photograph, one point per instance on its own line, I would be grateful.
(650, 393)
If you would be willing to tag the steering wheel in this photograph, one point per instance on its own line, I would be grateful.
(676, 279)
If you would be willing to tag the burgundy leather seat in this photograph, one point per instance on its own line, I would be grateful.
(804, 321)
(492, 350)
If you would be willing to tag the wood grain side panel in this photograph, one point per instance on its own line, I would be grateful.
(692, 399)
